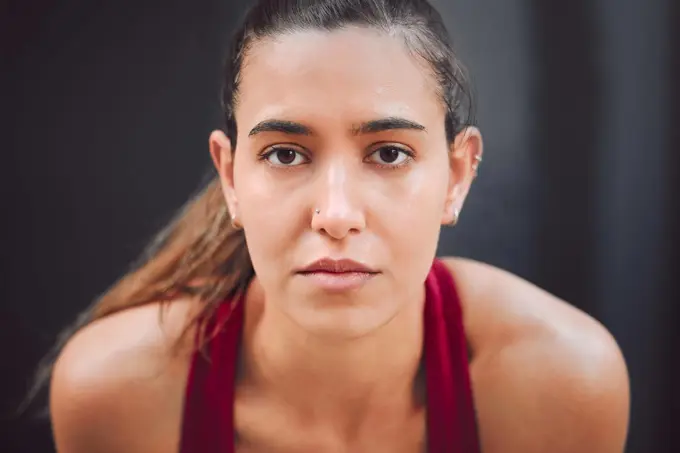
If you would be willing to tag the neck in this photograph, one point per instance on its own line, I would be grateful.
(334, 379)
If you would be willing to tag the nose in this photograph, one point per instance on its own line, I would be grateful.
(337, 212)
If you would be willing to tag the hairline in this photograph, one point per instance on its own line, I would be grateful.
(405, 32)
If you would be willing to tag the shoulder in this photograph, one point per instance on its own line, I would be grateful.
(546, 376)
(119, 376)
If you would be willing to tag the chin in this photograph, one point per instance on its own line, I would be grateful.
(334, 319)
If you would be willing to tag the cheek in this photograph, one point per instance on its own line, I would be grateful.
(269, 238)
(261, 200)
(410, 219)
(414, 205)
(268, 216)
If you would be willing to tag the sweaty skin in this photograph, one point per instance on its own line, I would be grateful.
(335, 371)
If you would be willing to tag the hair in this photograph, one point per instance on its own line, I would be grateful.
(199, 253)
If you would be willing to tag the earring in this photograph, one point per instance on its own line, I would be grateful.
(456, 215)
(234, 223)
(475, 165)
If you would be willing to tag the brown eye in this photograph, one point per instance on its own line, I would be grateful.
(391, 156)
(285, 157)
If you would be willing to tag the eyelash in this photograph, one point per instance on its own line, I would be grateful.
(410, 156)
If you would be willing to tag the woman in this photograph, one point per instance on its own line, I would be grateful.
(302, 305)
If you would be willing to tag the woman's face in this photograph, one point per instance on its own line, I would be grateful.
(348, 123)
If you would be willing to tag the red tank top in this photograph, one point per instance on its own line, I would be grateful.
(208, 420)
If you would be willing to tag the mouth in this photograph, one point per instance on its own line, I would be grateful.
(332, 266)
(337, 275)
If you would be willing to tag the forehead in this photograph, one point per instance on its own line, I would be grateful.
(344, 74)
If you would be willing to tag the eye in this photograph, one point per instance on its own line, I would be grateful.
(284, 157)
(391, 156)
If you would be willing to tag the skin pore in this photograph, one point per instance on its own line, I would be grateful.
(350, 123)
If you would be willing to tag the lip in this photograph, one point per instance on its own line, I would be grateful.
(334, 266)
(337, 275)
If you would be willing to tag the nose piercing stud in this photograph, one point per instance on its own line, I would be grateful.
(317, 211)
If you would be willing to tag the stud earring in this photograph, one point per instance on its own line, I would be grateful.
(234, 223)
(475, 165)
(456, 216)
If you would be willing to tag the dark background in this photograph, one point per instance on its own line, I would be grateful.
(108, 105)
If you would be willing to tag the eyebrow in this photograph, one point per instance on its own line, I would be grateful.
(368, 127)
(286, 127)
(387, 124)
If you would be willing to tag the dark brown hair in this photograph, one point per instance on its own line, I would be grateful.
(199, 254)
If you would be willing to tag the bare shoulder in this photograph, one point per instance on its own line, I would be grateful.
(118, 385)
(546, 376)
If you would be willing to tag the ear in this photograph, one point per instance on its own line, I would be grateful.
(464, 157)
(223, 159)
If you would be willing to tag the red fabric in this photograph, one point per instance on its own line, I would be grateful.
(208, 424)
(451, 419)
(208, 420)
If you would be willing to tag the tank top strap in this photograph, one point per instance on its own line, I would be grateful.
(450, 412)
(208, 419)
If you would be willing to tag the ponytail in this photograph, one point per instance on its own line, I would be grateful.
(198, 255)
